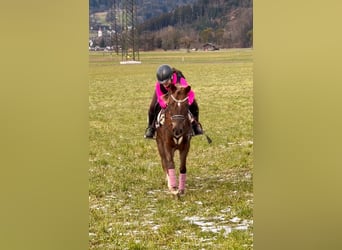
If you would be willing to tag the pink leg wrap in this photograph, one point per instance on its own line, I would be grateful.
(182, 179)
(171, 178)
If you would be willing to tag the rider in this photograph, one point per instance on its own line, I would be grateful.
(166, 76)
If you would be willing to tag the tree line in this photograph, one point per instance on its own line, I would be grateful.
(225, 23)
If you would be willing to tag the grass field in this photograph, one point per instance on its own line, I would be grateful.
(129, 205)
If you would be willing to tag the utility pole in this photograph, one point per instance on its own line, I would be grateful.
(129, 32)
(114, 24)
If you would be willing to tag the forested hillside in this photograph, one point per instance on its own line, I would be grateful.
(146, 8)
(186, 24)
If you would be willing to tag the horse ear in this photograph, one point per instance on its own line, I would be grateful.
(187, 89)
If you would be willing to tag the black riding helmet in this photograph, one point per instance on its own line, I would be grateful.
(164, 73)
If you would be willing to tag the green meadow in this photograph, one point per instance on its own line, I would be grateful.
(129, 203)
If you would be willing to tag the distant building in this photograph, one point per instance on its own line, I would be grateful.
(210, 47)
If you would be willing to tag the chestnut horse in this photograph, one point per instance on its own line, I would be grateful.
(174, 133)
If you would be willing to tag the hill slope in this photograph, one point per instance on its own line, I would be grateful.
(174, 24)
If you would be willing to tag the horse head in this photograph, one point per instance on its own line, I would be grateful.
(178, 108)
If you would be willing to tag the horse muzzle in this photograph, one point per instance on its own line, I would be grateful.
(178, 125)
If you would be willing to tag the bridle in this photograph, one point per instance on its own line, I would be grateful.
(179, 101)
(177, 139)
(178, 117)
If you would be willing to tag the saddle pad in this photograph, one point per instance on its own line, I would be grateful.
(160, 118)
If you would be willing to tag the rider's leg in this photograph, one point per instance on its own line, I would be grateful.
(196, 126)
(152, 113)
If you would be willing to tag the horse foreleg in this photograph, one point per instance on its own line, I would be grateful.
(167, 154)
(182, 180)
(171, 172)
(167, 173)
(171, 179)
(182, 170)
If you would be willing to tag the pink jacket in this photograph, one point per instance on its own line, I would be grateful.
(182, 82)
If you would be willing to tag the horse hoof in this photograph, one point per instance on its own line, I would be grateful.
(181, 192)
(174, 191)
